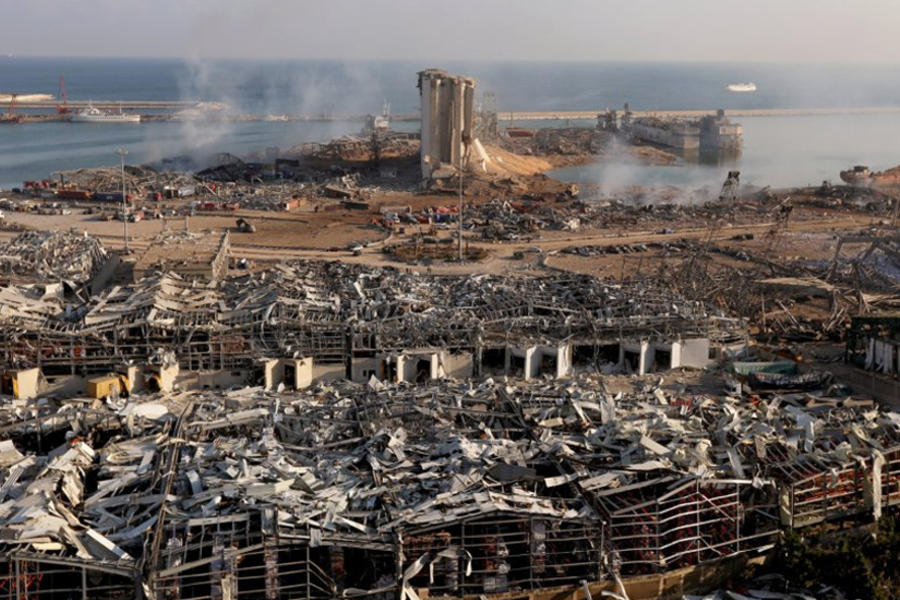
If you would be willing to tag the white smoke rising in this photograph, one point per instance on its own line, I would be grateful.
(274, 89)
(624, 176)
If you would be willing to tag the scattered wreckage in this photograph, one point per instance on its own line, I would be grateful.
(53, 255)
(454, 488)
(362, 319)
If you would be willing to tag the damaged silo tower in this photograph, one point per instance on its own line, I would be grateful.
(447, 119)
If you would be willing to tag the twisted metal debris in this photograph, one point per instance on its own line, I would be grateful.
(459, 488)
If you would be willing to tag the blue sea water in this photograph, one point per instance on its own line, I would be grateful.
(778, 150)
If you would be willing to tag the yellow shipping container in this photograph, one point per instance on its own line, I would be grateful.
(98, 387)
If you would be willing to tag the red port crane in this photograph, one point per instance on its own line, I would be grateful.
(62, 109)
(9, 117)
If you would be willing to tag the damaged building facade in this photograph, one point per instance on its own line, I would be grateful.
(299, 323)
(713, 133)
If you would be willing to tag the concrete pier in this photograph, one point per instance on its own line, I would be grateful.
(165, 106)
(582, 115)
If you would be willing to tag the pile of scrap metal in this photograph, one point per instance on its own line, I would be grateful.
(139, 179)
(350, 149)
(793, 300)
(53, 256)
(457, 488)
(874, 268)
(334, 312)
(666, 246)
(512, 219)
(571, 140)
(264, 199)
(502, 220)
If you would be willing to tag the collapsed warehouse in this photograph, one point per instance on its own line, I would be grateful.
(445, 489)
(38, 256)
(297, 323)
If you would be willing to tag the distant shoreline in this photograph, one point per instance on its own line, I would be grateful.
(581, 115)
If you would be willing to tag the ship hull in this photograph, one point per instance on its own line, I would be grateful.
(76, 118)
(741, 87)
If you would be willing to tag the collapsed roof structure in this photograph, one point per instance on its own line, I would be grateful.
(52, 255)
(363, 322)
(455, 488)
(189, 255)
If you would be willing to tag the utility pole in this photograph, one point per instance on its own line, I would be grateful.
(459, 212)
(122, 152)
(462, 153)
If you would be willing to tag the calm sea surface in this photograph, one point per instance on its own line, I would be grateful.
(778, 150)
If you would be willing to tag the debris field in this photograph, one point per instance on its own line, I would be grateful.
(457, 488)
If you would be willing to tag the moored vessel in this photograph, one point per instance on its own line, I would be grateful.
(741, 87)
(92, 114)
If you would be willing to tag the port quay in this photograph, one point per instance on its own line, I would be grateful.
(161, 107)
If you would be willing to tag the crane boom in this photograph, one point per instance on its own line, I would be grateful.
(63, 108)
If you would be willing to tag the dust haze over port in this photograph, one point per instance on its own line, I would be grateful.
(281, 89)
(360, 87)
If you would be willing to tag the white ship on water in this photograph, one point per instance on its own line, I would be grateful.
(92, 114)
(741, 87)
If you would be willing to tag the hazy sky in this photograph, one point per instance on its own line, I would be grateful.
(593, 30)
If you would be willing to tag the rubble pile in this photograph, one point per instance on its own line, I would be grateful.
(505, 221)
(291, 184)
(53, 255)
(508, 220)
(266, 200)
(669, 246)
(571, 140)
(875, 268)
(492, 486)
(335, 311)
(360, 149)
(794, 299)
(139, 179)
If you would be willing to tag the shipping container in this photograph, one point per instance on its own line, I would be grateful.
(99, 387)
(519, 132)
(108, 196)
(181, 192)
(73, 194)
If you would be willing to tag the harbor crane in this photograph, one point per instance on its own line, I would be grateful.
(63, 107)
(10, 116)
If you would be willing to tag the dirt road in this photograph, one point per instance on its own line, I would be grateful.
(330, 235)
